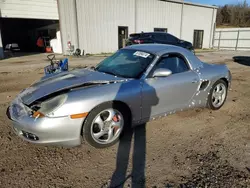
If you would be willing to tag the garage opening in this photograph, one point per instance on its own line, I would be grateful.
(22, 34)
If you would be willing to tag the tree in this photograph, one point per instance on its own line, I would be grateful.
(234, 15)
(225, 14)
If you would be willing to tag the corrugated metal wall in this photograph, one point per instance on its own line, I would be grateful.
(152, 14)
(197, 18)
(98, 23)
(68, 23)
(39, 9)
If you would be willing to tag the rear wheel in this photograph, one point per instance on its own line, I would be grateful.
(104, 125)
(218, 95)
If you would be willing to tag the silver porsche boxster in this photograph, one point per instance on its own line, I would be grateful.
(133, 86)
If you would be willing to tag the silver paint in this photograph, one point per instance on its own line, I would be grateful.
(147, 98)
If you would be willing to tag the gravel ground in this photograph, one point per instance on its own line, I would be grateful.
(195, 148)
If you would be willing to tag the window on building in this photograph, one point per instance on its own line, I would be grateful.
(160, 30)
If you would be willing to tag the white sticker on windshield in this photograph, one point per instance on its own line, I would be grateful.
(141, 54)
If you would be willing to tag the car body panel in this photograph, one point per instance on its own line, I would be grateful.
(159, 38)
(51, 131)
(94, 96)
(172, 87)
(161, 49)
(146, 97)
(64, 81)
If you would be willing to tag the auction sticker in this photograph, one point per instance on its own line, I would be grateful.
(141, 54)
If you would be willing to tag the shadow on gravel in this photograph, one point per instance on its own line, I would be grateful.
(136, 179)
(243, 60)
(137, 175)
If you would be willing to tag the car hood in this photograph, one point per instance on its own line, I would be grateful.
(64, 82)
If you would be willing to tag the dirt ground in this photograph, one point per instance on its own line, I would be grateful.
(195, 148)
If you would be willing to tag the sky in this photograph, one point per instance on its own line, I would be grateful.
(217, 2)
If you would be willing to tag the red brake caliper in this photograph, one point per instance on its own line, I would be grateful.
(116, 119)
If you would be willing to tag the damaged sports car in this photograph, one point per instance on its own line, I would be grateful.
(133, 86)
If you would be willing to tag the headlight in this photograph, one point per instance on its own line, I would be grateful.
(49, 106)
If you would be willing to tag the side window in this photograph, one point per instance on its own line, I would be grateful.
(171, 39)
(160, 37)
(175, 63)
(146, 36)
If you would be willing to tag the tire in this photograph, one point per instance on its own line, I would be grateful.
(89, 124)
(212, 100)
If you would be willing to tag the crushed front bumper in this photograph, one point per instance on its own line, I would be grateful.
(59, 131)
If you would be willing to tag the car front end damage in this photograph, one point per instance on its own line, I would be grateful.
(52, 112)
(38, 125)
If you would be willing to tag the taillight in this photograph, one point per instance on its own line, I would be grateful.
(138, 41)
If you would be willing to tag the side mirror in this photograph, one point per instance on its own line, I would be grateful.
(162, 73)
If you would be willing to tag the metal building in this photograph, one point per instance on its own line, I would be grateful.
(20, 20)
(99, 26)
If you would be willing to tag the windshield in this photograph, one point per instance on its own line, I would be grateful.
(126, 63)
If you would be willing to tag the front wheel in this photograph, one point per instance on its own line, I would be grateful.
(218, 95)
(104, 125)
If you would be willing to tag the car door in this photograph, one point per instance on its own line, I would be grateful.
(170, 39)
(172, 93)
